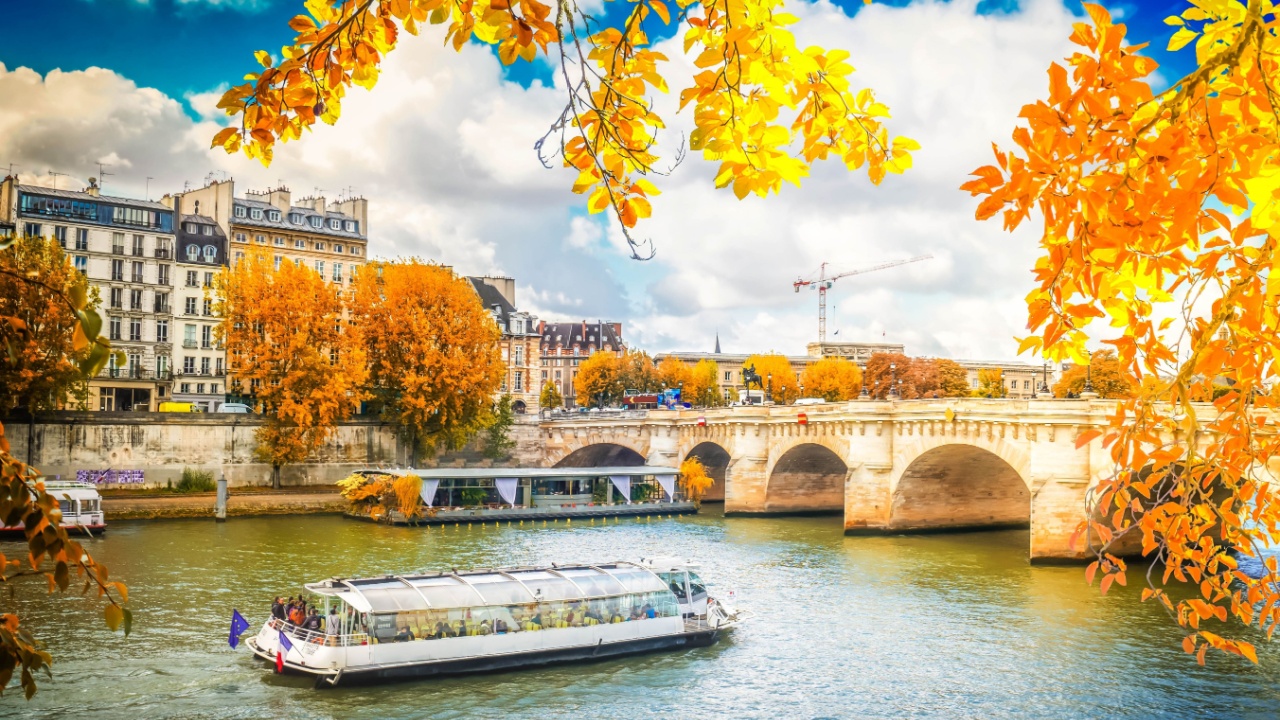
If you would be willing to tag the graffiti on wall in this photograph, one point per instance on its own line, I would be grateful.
(100, 477)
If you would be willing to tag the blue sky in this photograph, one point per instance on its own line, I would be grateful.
(443, 150)
(194, 46)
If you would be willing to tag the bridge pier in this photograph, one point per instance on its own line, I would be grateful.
(866, 499)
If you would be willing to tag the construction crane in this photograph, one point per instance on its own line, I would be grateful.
(823, 282)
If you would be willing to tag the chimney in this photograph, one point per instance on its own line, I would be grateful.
(280, 199)
(317, 204)
(357, 209)
(93, 188)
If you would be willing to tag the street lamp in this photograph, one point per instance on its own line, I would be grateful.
(1044, 384)
(893, 381)
(863, 395)
(1088, 375)
(801, 389)
(768, 396)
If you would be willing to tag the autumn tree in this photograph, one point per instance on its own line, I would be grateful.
(953, 379)
(777, 375)
(922, 379)
(765, 108)
(497, 435)
(636, 371)
(289, 347)
(1159, 214)
(434, 360)
(43, 346)
(599, 379)
(881, 372)
(52, 555)
(674, 373)
(694, 481)
(1103, 372)
(991, 383)
(703, 387)
(833, 379)
(550, 396)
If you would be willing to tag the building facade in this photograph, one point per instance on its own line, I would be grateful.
(519, 342)
(199, 362)
(564, 345)
(125, 247)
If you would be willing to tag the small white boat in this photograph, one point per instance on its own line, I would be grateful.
(81, 507)
(402, 626)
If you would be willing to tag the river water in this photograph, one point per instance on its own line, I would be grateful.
(945, 626)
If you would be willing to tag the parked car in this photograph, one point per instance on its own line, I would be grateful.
(234, 408)
(810, 401)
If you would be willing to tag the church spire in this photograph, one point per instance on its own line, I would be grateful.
(717, 342)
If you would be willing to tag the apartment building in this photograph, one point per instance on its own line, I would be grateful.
(519, 343)
(199, 362)
(564, 345)
(125, 247)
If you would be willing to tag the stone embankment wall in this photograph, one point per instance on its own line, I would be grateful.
(161, 445)
(201, 505)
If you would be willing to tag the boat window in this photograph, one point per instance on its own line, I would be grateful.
(675, 581)
(389, 595)
(594, 583)
(696, 586)
(547, 587)
(446, 592)
(499, 589)
(637, 579)
(68, 507)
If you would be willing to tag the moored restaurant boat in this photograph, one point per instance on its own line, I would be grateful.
(80, 504)
(403, 626)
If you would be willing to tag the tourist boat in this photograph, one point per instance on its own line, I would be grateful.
(403, 626)
(81, 507)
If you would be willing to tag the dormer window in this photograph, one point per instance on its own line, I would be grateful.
(193, 253)
(295, 218)
(239, 211)
(208, 229)
(315, 222)
(351, 226)
(273, 215)
(256, 213)
(189, 227)
(335, 224)
(210, 253)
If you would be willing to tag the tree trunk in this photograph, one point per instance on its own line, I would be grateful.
(275, 477)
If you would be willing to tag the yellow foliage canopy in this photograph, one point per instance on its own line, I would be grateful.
(694, 481)
(752, 79)
(1161, 216)
(832, 379)
(778, 376)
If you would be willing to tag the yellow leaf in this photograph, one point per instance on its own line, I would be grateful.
(114, 616)
(598, 201)
(1181, 38)
(263, 57)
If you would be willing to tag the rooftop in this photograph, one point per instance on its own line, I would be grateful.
(87, 197)
(284, 224)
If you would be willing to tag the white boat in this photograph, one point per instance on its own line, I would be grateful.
(402, 626)
(81, 507)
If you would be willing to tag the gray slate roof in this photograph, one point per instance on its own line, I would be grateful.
(284, 224)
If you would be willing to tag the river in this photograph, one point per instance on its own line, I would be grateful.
(937, 626)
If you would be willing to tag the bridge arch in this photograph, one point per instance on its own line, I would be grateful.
(951, 485)
(602, 455)
(808, 477)
(716, 460)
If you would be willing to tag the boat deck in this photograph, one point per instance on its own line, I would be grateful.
(534, 514)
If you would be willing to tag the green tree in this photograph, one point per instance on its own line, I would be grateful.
(497, 436)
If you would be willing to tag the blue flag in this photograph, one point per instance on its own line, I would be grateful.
(285, 645)
(238, 626)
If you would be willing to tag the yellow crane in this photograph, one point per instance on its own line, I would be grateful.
(823, 282)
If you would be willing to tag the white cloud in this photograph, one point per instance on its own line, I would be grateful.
(443, 148)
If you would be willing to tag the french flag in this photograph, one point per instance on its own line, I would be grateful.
(281, 650)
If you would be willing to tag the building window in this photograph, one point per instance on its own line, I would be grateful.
(295, 218)
(214, 388)
(162, 362)
(519, 355)
(188, 368)
(60, 234)
(193, 278)
(206, 341)
(351, 226)
(135, 299)
(278, 259)
(278, 242)
(115, 328)
(1026, 384)
(256, 213)
(208, 279)
(191, 307)
(239, 237)
(320, 267)
(204, 366)
(82, 239)
(239, 256)
(337, 272)
(135, 330)
(519, 380)
(210, 253)
(319, 246)
(260, 239)
(32, 230)
(208, 229)
(208, 307)
(239, 211)
(184, 387)
(117, 298)
(355, 250)
(135, 216)
(199, 388)
(162, 274)
(337, 248)
(315, 222)
(162, 302)
(273, 215)
(193, 253)
(117, 270)
(189, 341)
(137, 272)
(162, 331)
(137, 246)
(300, 244)
(82, 263)
(219, 367)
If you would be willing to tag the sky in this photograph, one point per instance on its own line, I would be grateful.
(443, 150)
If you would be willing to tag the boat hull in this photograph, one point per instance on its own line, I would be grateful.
(15, 531)
(497, 662)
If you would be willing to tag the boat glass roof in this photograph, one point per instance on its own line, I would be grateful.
(516, 586)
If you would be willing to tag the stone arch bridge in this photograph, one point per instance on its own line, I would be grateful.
(888, 467)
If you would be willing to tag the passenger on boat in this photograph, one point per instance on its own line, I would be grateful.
(295, 614)
(485, 628)
(277, 609)
(500, 626)
(312, 622)
(405, 634)
(648, 611)
(333, 623)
